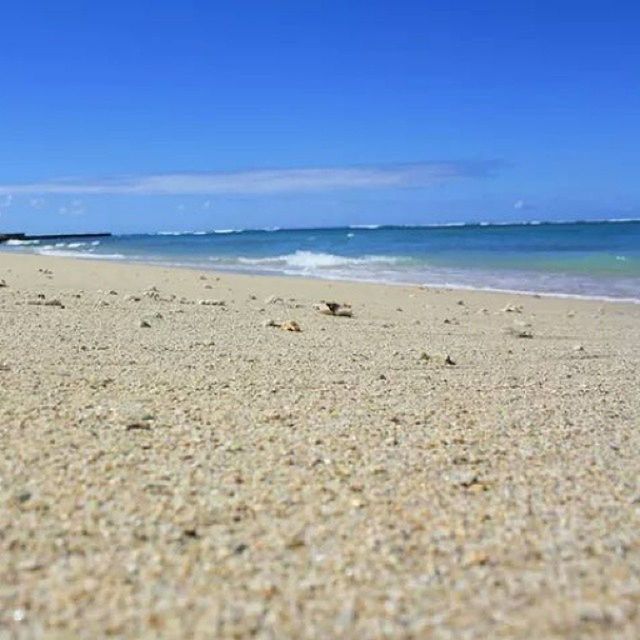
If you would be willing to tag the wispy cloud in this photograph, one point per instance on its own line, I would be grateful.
(74, 208)
(522, 205)
(263, 181)
(5, 202)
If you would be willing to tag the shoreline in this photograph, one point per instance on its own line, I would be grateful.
(248, 272)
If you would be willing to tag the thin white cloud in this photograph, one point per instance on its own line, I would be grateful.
(74, 208)
(521, 205)
(263, 181)
(5, 203)
(36, 203)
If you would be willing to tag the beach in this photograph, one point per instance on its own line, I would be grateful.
(442, 464)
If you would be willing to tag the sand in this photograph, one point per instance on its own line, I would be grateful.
(174, 469)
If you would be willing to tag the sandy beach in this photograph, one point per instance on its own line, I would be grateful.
(443, 464)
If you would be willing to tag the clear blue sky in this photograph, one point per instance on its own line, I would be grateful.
(160, 115)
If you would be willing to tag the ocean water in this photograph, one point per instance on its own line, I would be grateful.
(593, 259)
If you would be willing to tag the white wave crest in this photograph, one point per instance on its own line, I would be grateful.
(21, 243)
(309, 260)
(61, 253)
(180, 233)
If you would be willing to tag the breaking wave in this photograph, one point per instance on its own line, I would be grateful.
(309, 260)
(62, 253)
(21, 243)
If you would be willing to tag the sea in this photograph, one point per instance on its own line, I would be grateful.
(596, 259)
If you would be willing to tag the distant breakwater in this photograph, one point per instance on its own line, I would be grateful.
(5, 237)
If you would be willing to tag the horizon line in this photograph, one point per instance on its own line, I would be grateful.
(359, 227)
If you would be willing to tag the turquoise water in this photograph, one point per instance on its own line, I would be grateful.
(599, 259)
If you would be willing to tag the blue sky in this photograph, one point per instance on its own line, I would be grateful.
(158, 115)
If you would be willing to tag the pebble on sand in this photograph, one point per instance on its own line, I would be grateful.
(212, 303)
(334, 309)
(152, 293)
(519, 331)
(141, 425)
(445, 359)
(288, 325)
(41, 302)
(463, 478)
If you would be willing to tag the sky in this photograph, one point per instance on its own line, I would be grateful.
(177, 115)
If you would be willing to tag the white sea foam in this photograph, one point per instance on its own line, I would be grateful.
(21, 243)
(57, 245)
(434, 225)
(509, 223)
(309, 260)
(364, 226)
(48, 250)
